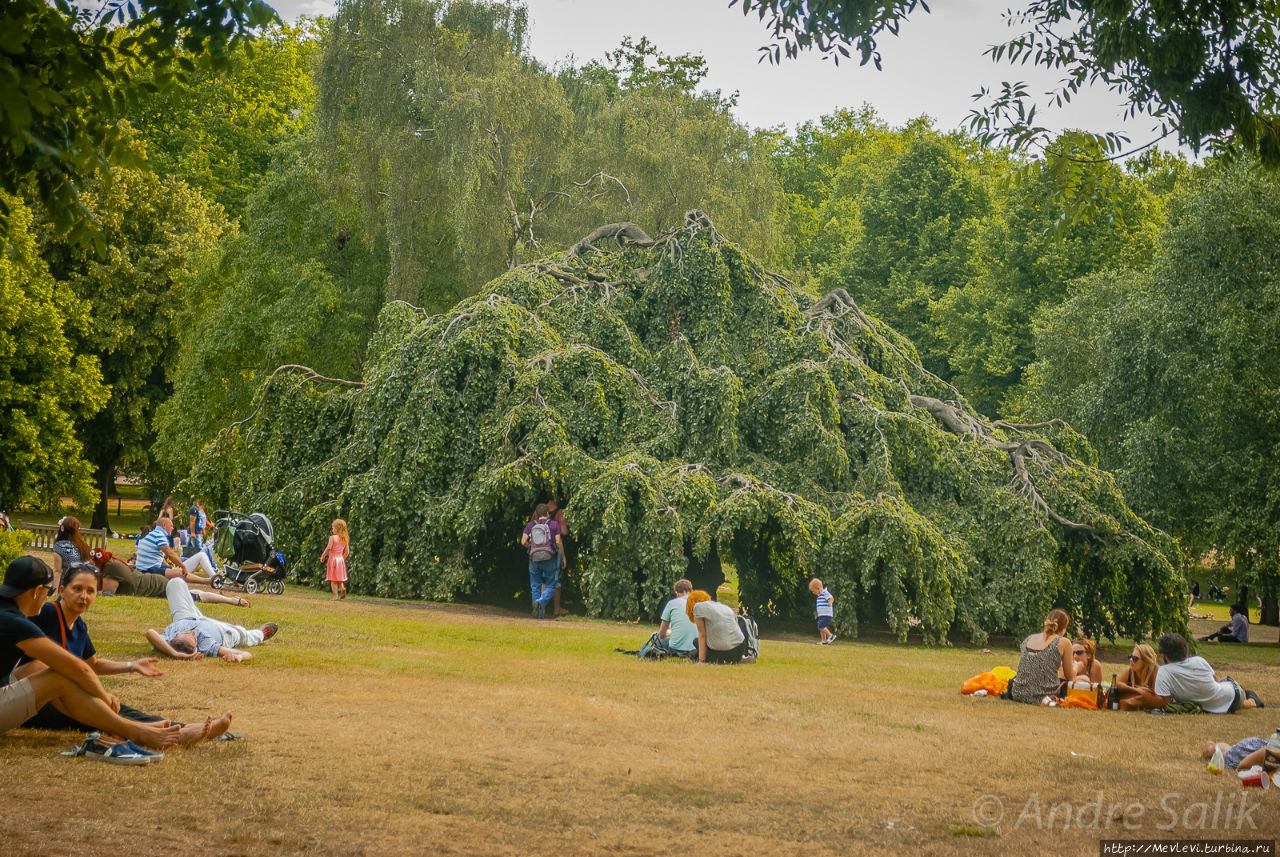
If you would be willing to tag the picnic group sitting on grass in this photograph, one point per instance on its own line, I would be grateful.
(1181, 683)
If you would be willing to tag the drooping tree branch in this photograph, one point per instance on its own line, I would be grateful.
(958, 421)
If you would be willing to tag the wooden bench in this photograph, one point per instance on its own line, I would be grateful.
(44, 535)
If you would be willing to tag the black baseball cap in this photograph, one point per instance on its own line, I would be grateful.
(23, 574)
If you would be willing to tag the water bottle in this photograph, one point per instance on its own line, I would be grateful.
(1271, 760)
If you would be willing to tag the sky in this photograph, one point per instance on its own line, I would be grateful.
(932, 68)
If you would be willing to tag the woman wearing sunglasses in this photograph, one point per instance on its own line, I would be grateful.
(1084, 653)
(1137, 682)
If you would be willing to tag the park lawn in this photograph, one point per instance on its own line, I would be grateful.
(382, 728)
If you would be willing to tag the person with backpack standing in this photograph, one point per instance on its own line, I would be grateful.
(541, 538)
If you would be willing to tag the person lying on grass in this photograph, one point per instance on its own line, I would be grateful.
(1242, 755)
(191, 635)
(63, 623)
(1182, 678)
(69, 684)
(1138, 677)
(118, 578)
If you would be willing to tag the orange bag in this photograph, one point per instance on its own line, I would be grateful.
(1088, 702)
(990, 682)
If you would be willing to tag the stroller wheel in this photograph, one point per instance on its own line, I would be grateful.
(275, 587)
(251, 586)
(218, 581)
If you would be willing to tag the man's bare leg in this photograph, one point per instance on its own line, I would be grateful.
(217, 727)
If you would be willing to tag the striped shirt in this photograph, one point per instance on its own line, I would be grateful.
(825, 607)
(150, 554)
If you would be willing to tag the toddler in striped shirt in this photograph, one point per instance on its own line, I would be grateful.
(826, 611)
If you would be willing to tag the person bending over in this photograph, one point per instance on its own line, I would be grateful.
(192, 635)
(68, 683)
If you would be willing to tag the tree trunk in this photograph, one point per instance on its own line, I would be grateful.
(1270, 609)
(104, 477)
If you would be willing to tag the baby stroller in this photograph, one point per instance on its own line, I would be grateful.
(247, 544)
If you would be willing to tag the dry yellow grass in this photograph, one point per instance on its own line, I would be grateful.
(380, 729)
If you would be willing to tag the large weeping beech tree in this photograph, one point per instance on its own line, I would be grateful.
(690, 408)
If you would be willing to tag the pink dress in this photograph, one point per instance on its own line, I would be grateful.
(336, 567)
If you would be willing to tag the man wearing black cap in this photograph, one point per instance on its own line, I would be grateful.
(69, 683)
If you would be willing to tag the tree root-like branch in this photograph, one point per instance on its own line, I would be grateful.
(957, 421)
(746, 483)
(627, 234)
(306, 373)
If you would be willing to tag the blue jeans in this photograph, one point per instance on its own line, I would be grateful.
(544, 577)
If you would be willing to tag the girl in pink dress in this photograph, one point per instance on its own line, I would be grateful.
(336, 555)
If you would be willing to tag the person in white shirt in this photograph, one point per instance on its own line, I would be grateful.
(1190, 679)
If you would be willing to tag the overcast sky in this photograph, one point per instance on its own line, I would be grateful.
(933, 68)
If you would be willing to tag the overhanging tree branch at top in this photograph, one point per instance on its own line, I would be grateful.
(69, 70)
(1207, 71)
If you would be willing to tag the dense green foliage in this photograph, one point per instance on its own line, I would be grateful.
(218, 129)
(1173, 370)
(920, 229)
(432, 168)
(156, 233)
(682, 400)
(45, 388)
(313, 186)
(70, 71)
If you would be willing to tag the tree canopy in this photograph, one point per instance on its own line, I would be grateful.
(45, 387)
(155, 234)
(70, 70)
(690, 407)
(1173, 368)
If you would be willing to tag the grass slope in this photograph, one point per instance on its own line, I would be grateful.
(386, 728)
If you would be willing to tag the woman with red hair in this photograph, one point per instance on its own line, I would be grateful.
(720, 640)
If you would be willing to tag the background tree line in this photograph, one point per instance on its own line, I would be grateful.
(411, 150)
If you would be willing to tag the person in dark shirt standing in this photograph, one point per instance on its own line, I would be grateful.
(69, 683)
